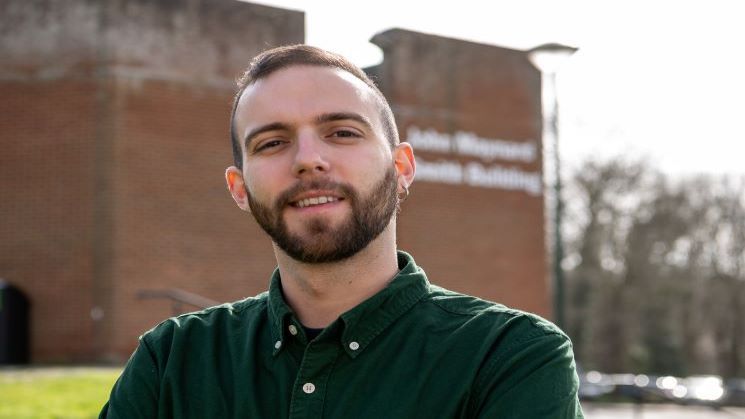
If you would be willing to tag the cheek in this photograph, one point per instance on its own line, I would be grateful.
(255, 184)
(378, 162)
(370, 160)
(265, 186)
(257, 192)
(366, 176)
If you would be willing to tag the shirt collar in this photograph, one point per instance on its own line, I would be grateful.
(368, 319)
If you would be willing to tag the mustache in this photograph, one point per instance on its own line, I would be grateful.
(342, 189)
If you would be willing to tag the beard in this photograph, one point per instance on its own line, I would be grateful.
(322, 242)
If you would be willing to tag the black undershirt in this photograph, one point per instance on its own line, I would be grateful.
(311, 333)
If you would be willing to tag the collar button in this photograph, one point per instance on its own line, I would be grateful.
(309, 388)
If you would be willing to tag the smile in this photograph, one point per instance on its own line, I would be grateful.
(318, 200)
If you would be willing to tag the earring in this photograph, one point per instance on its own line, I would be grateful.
(403, 195)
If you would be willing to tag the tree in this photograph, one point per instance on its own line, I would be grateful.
(655, 270)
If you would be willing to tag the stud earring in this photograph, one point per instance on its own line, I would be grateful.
(403, 195)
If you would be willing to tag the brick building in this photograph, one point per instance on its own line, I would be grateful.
(474, 219)
(114, 127)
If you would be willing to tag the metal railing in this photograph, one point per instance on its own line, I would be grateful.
(178, 297)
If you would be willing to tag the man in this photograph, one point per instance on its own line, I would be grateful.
(350, 327)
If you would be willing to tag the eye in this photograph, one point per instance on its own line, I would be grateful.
(345, 133)
(268, 145)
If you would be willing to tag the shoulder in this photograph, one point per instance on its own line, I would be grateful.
(526, 363)
(495, 317)
(503, 338)
(217, 319)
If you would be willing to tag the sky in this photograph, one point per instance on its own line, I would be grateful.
(655, 79)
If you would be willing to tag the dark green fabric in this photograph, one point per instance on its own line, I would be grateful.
(413, 350)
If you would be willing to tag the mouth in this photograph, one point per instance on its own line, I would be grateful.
(314, 199)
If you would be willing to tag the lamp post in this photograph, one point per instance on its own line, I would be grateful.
(547, 59)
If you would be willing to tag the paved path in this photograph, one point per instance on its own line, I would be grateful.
(647, 411)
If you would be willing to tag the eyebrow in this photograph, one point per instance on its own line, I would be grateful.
(341, 116)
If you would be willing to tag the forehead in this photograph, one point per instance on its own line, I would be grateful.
(299, 93)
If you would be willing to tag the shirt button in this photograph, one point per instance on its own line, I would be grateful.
(309, 388)
(293, 330)
(277, 344)
(354, 346)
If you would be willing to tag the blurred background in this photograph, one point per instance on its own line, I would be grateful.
(576, 159)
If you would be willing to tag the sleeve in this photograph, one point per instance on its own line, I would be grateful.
(533, 378)
(135, 393)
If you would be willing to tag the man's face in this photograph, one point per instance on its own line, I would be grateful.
(319, 176)
(323, 242)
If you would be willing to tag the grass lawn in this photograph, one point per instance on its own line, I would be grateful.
(74, 392)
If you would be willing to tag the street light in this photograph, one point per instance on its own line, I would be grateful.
(548, 58)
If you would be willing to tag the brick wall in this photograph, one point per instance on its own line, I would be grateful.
(115, 139)
(114, 126)
(47, 183)
(484, 241)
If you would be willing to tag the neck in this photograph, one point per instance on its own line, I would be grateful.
(320, 293)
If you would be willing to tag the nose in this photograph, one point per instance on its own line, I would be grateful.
(309, 158)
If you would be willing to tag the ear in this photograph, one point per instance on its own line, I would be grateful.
(403, 158)
(237, 187)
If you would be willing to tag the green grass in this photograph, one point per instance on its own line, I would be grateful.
(57, 393)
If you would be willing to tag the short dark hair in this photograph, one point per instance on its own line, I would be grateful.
(278, 58)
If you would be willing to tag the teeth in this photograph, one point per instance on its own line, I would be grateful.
(315, 201)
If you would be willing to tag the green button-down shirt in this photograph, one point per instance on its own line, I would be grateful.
(413, 350)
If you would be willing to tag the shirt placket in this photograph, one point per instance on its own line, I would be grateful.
(309, 390)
